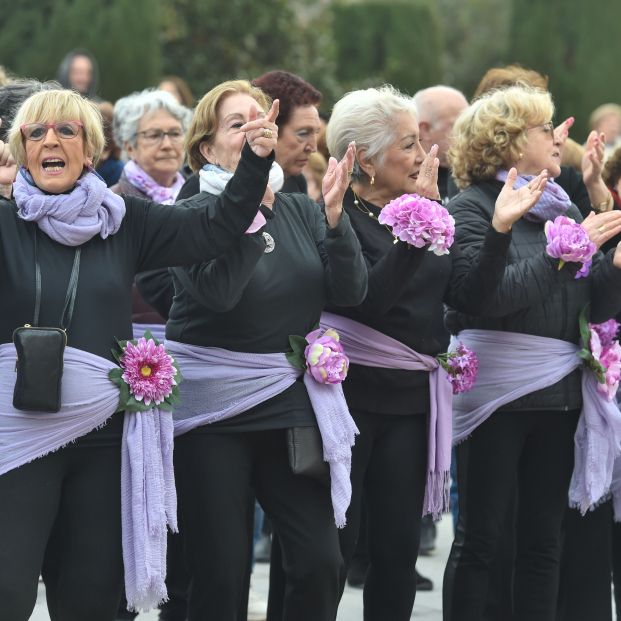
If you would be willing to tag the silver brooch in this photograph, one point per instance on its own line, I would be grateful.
(270, 244)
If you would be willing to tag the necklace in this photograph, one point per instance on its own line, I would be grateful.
(360, 205)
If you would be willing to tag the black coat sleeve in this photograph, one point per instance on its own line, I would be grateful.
(157, 289)
(605, 288)
(190, 232)
(525, 282)
(344, 266)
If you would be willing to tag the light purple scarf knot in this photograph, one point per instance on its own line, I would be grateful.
(73, 218)
(553, 202)
(512, 365)
(368, 347)
(147, 185)
(148, 497)
(219, 384)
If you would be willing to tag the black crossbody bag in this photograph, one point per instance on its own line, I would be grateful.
(40, 350)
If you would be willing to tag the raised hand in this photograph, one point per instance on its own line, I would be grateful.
(8, 169)
(512, 204)
(335, 183)
(561, 132)
(427, 182)
(593, 158)
(262, 131)
(602, 226)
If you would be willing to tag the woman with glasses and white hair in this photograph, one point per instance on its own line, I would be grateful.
(69, 249)
(151, 127)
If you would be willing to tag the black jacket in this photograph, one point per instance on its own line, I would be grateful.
(535, 297)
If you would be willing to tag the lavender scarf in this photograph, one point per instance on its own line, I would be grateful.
(70, 219)
(512, 365)
(148, 499)
(147, 185)
(368, 347)
(219, 384)
(553, 202)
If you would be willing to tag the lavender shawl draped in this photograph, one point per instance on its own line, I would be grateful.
(368, 347)
(219, 384)
(70, 219)
(512, 365)
(148, 499)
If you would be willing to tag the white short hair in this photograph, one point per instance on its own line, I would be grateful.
(129, 110)
(366, 116)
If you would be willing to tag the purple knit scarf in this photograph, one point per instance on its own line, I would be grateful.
(553, 202)
(512, 365)
(368, 347)
(219, 384)
(73, 218)
(147, 185)
(148, 498)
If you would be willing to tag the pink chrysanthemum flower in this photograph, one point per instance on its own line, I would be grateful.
(420, 222)
(148, 371)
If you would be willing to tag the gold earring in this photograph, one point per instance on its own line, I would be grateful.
(520, 155)
(372, 179)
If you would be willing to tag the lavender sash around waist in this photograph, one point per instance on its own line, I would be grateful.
(368, 347)
(148, 500)
(157, 330)
(512, 365)
(219, 384)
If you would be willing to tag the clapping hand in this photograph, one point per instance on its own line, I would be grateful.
(512, 204)
(335, 184)
(8, 169)
(262, 132)
(593, 158)
(602, 226)
(427, 182)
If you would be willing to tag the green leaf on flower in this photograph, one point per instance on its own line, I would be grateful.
(298, 343)
(585, 331)
(296, 359)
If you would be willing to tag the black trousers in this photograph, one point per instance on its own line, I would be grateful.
(586, 565)
(217, 474)
(531, 452)
(389, 463)
(61, 515)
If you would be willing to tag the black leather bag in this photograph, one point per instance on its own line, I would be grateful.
(40, 350)
(39, 368)
(305, 452)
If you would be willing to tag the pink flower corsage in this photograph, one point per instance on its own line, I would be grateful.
(147, 376)
(321, 355)
(462, 366)
(569, 242)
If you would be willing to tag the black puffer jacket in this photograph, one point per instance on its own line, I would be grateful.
(535, 297)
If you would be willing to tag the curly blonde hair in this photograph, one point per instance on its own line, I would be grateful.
(490, 134)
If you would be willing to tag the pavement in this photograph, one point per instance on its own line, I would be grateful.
(428, 606)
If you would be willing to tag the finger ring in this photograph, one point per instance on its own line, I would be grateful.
(350, 172)
(267, 133)
(602, 229)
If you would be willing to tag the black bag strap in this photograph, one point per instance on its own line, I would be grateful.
(72, 288)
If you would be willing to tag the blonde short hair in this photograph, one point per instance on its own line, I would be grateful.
(53, 106)
(204, 124)
(489, 135)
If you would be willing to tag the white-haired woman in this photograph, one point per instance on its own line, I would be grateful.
(151, 128)
(66, 237)
(515, 430)
(390, 401)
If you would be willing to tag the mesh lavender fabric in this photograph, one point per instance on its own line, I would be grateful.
(512, 365)
(148, 499)
(368, 347)
(157, 330)
(219, 384)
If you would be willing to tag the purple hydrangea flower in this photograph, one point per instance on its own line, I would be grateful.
(420, 222)
(462, 366)
(569, 241)
(325, 359)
